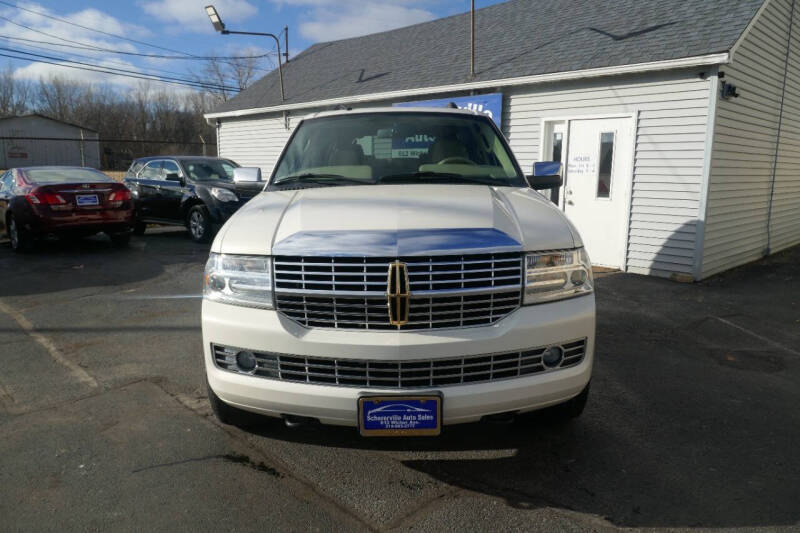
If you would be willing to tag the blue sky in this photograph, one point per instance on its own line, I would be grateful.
(182, 26)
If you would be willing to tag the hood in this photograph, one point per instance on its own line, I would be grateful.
(396, 220)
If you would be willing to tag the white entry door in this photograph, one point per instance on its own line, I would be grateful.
(597, 185)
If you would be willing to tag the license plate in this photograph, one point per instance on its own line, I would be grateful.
(395, 416)
(86, 199)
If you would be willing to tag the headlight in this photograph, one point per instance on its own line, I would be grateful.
(239, 280)
(223, 195)
(557, 275)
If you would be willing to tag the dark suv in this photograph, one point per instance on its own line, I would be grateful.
(193, 191)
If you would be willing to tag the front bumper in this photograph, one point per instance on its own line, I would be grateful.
(269, 331)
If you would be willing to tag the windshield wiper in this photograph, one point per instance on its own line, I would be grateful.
(322, 179)
(447, 177)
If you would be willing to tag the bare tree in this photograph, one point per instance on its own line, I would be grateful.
(230, 75)
(14, 94)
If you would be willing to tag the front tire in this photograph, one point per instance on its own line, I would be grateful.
(199, 223)
(230, 416)
(21, 240)
(569, 410)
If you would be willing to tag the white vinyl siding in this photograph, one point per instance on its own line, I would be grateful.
(744, 148)
(253, 142)
(671, 110)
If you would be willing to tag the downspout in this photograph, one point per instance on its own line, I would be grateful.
(767, 250)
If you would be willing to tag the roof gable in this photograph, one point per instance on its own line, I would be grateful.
(513, 39)
(45, 117)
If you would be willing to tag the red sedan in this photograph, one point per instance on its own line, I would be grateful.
(44, 202)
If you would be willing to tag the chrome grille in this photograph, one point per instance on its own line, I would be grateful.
(419, 373)
(446, 291)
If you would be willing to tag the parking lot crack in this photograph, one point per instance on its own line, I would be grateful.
(230, 457)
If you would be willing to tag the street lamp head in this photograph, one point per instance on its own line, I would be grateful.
(215, 20)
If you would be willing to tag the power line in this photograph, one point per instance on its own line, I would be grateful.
(124, 71)
(196, 85)
(126, 65)
(87, 46)
(73, 54)
(9, 4)
(84, 46)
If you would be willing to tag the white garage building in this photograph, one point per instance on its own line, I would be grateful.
(678, 121)
(34, 139)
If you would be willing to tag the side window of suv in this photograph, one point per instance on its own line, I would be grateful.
(7, 181)
(136, 166)
(152, 171)
(171, 167)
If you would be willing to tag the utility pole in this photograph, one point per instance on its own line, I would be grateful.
(286, 40)
(472, 41)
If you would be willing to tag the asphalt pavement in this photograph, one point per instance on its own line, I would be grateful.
(693, 419)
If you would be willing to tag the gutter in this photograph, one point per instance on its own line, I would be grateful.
(687, 62)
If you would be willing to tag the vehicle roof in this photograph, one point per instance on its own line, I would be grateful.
(378, 110)
(180, 157)
(55, 167)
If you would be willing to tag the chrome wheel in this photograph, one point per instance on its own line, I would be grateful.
(197, 225)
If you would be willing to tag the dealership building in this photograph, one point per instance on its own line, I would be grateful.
(677, 121)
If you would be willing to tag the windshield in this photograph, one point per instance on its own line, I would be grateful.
(397, 148)
(52, 176)
(209, 169)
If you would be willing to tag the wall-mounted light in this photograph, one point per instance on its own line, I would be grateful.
(728, 91)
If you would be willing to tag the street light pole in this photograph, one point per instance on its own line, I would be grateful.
(220, 27)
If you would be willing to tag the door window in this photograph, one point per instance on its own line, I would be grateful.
(152, 171)
(606, 164)
(171, 167)
(558, 145)
(5, 181)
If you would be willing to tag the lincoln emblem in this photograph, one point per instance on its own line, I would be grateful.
(397, 293)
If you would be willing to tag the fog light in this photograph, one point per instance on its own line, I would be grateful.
(578, 277)
(246, 361)
(552, 356)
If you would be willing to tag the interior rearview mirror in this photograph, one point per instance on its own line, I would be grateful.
(246, 174)
(546, 175)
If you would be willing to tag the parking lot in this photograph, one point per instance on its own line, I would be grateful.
(693, 418)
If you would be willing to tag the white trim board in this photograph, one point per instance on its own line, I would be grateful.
(702, 213)
(710, 59)
(747, 29)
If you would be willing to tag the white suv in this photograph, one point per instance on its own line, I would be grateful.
(398, 273)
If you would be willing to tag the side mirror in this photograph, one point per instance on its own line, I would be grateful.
(545, 182)
(173, 176)
(546, 175)
(246, 175)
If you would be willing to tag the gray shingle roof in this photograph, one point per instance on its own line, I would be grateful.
(513, 39)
